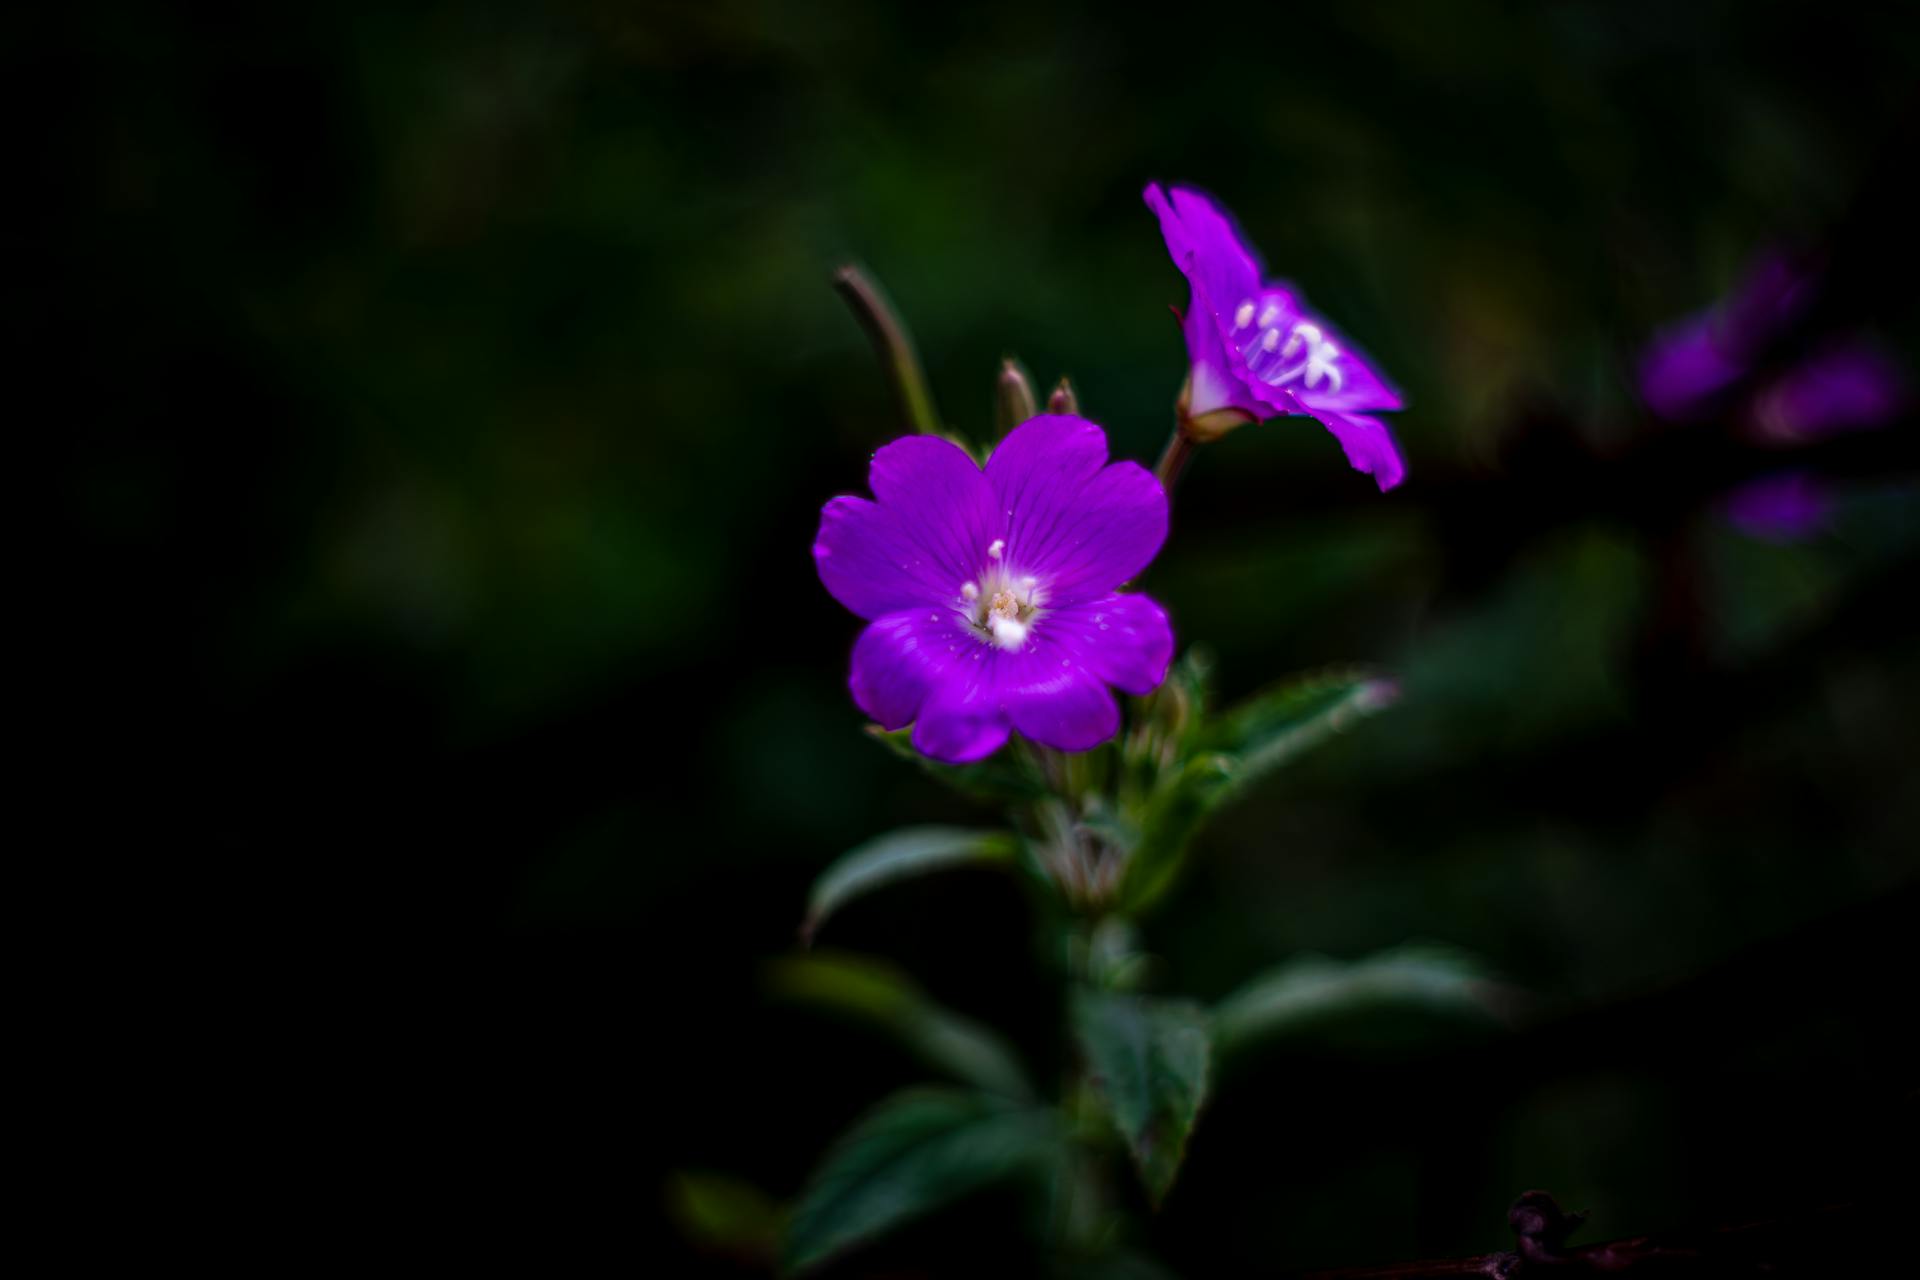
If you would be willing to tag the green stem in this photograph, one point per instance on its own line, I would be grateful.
(890, 340)
(1173, 459)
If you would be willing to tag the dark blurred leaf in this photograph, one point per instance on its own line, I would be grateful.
(898, 855)
(1259, 736)
(726, 1215)
(1313, 990)
(1149, 1059)
(913, 1153)
(1005, 777)
(881, 996)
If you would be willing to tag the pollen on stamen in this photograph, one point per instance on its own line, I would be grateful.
(1270, 340)
(998, 546)
(1268, 316)
(969, 591)
(1244, 316)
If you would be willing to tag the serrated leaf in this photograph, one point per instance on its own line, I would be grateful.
(914, 1153)
(1149, 1061)
(900, 855)
(1005, 777)
(1313, 990)
(882, 997)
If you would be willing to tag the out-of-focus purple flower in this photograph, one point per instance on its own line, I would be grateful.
(1785, 507)
(992, 595)
(1258, 351)
(1688, 366)
(1849, 385)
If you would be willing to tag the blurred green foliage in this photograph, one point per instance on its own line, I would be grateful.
(466, 381)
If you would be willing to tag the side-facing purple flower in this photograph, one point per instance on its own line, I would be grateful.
(1256, 348)
(993, 595)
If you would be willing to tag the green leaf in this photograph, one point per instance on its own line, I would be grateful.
(899, 855)
(1261, 735)
(912, 1154)
(726, 1215)
(1005, 777)
(880, 996)
(1314, 990)
(1148, 1059)
(1277, 725)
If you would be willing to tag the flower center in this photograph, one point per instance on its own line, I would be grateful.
(1303, 353)
(1002, 607)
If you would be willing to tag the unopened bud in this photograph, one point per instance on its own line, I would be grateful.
(1013, 401)
(1063, 400)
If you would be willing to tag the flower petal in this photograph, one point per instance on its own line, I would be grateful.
(963, 719)
(1368, 444)
(1124, 640)
(1053, 699)
(1204, 245)
(1082, 526)
(869, 564)
(941, 502)
(902, 658)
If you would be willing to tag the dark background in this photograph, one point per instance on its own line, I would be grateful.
(450, 396)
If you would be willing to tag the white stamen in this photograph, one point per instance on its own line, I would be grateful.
(969, 591)
(1271, 314)
(1244, 316)
(1270, 340)
(1008, 633)
(996, 548)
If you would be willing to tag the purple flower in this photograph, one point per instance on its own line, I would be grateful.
(1258, 351)
(992, 594)
(1688, 366)
(1847, 386)
(1784, 507)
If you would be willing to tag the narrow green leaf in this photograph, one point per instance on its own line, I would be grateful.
(1005, 777)
(1313, 990)
(898, 855)
(912, 1154)
(882, 997)
(1277, 725)
(1149, 1061)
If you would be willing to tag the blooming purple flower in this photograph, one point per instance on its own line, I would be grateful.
(1257, 350)
(992, 595)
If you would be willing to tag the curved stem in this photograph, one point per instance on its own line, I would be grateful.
(1173, 459)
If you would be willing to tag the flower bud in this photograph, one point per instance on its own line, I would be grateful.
(1013, 401)
(1063, 400)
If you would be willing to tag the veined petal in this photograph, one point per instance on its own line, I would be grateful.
(1204, 245)
(1124, 640)
(1084, 527)
(941, 502)
(1053, 699)
(963, 719)
(870, 564)
(902, 658)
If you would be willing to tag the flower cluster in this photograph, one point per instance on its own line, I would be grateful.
(993, 594)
